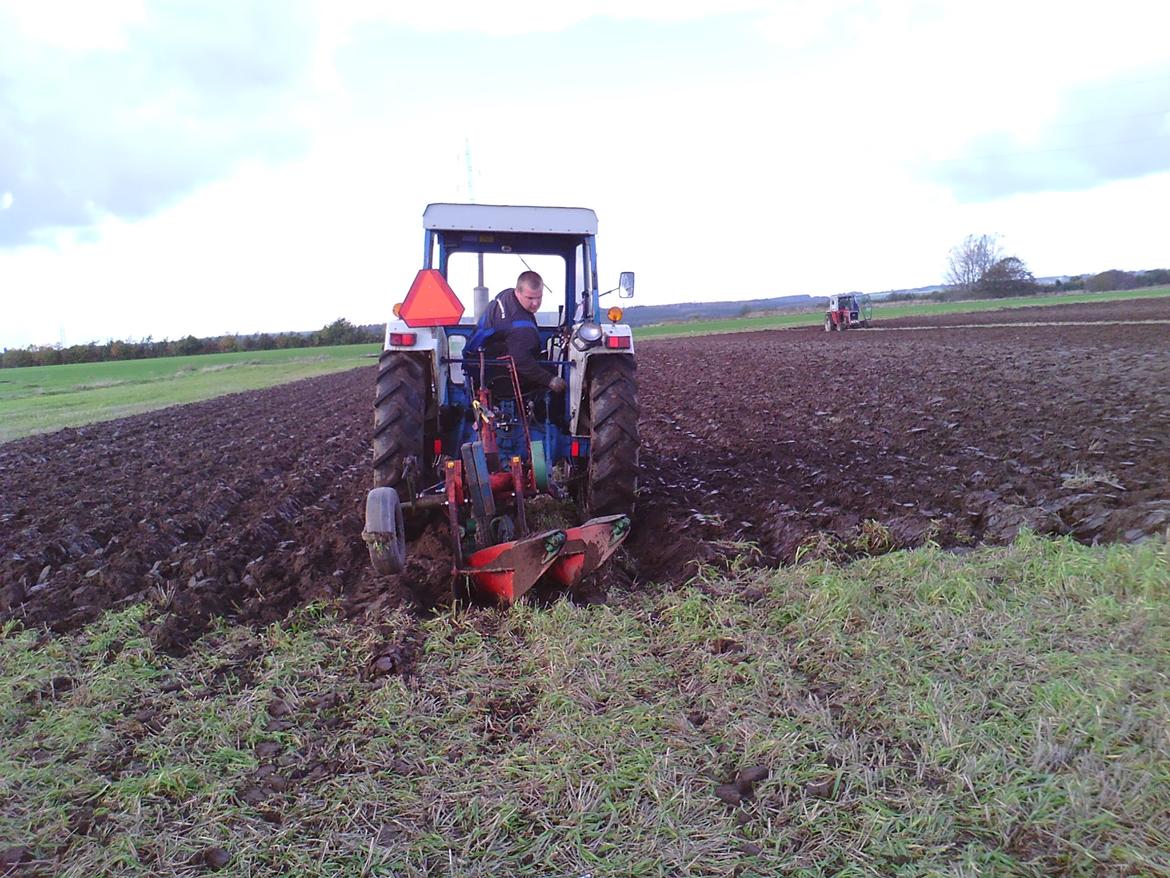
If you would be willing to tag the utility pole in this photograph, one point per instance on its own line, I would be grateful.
(480, 297)
(467, 157)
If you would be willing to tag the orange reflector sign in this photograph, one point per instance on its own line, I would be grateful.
(430, 301)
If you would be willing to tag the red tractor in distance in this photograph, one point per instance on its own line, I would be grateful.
(848, 311)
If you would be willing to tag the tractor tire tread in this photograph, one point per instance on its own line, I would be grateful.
(399, 415)
(612, 475)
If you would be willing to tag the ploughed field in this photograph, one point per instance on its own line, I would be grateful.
(1151, 309)
(773, 446)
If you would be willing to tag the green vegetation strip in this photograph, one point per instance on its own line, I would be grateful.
(920, 713)
(887, 310)
(37, 399)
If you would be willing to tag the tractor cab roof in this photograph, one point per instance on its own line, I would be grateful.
(510, 218)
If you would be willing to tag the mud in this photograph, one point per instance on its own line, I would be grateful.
(1132, 310)
(785, 444)
(807, 442)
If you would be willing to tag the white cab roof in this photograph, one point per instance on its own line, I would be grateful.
(506, 218)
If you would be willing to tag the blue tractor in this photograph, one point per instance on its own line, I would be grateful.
(456, 434)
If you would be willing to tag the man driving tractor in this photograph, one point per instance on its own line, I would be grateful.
(508, 328)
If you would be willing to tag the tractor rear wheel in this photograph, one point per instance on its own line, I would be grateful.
(400, 407)
(611, 478)
(828, 324)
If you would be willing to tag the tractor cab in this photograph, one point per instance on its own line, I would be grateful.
(479, 250)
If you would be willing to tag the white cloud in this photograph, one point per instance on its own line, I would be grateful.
(957, 70)
(512, 17)
(124, 127)
(73, 25)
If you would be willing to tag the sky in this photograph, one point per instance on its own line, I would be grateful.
(220, 166)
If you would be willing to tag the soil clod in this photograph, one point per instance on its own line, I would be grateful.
(747, 778)
(729, 794)
(821, 789)
(216, 858)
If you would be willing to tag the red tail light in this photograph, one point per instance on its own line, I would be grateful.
(617, 341)
(403, 338)
(575, 448)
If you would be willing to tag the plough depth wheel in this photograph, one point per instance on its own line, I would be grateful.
(385, 533)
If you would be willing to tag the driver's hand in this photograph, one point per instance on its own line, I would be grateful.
(557, 385)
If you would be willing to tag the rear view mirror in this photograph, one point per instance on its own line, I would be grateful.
(626, 285)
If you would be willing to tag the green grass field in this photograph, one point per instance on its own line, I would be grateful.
(883, 310)
(41, 398)
(920, 713)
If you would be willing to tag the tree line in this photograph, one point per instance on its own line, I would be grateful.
(338, 332)
(1116, 279)
(979, 268)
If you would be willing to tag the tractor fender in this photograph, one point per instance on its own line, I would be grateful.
(427, 339)
(580, 368)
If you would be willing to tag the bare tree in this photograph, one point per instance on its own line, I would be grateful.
(971, 260)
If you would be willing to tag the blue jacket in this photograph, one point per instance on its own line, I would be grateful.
(506, 329)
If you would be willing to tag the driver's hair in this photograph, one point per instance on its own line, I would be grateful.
(530, 280)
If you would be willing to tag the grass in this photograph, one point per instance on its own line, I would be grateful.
(883, 310)
(919, 713)
(41, 398)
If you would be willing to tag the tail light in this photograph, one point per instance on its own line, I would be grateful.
(617, 341)
(403, 338)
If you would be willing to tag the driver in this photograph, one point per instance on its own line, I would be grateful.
(508, 328)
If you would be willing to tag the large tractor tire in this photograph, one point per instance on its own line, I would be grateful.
(611, 478)
(400, 408)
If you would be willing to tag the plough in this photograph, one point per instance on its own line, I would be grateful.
(493, 549)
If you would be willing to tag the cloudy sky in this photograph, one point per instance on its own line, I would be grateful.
(173, 166)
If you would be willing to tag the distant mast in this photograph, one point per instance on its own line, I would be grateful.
(480, 298)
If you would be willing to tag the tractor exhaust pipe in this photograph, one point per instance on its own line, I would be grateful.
(479, 300)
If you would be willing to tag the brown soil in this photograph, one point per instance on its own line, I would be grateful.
(1133, 309)
(249, 504)
(798, 441)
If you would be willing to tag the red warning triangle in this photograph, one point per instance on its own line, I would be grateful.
(430, 301)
